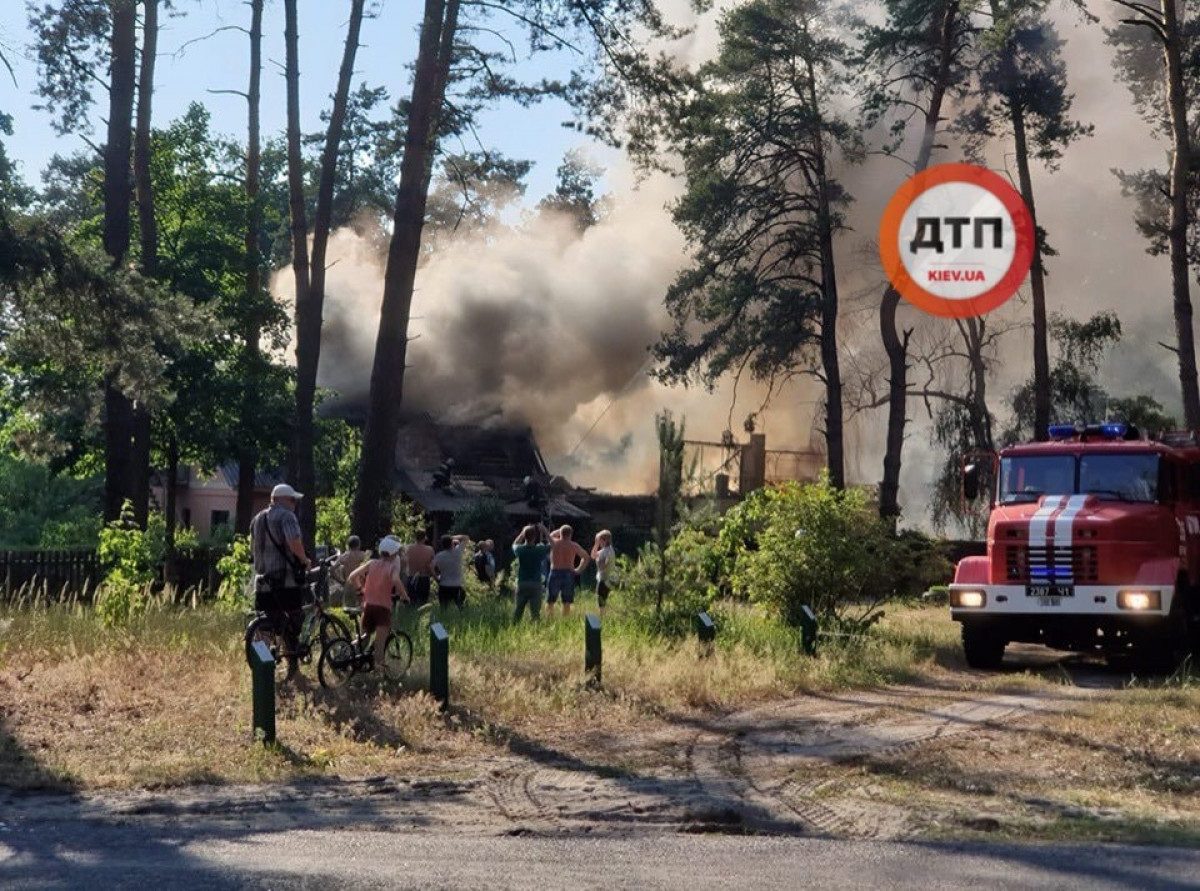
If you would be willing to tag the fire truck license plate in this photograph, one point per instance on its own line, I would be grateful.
(1049, 595)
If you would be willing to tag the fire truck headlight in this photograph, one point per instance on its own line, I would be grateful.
(1139, 600)
(968, 599)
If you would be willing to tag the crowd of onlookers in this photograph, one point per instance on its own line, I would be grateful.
(548, 566)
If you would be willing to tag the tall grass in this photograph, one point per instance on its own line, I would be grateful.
(514, 671)
(40, 627)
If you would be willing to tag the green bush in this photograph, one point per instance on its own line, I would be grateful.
(333, 520)
(690, 580)
(408, 520)
(235, 569)
(187, 538)
(39, 509)
(813, 545)
(131, 557)
(919, 564)
(79, 528)
(484, 519)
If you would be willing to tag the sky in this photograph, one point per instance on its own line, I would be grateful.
(221, 62)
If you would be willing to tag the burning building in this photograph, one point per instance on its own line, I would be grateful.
(445, 469)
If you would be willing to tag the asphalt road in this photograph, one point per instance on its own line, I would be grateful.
(88, 854)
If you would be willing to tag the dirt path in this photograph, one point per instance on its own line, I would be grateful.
(771, 757)
(759, 770)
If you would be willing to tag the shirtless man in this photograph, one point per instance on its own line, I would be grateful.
(349, 560)
(567, 559)
(419, 561)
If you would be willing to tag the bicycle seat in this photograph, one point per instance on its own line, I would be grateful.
(353, 610)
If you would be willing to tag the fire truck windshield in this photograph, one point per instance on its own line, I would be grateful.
(1117, 477)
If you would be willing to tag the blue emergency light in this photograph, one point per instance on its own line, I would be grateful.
(1108, 430)
(1063, 431)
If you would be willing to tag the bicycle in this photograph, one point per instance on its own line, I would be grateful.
(345, 657)
(318, 622)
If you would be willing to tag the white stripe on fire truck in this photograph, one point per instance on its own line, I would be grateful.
(1063, 531)
(1041, 518)
(1062, 534)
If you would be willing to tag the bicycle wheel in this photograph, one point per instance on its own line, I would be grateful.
(333, 628)
(265, 630)
(337, 664)
(397, 655)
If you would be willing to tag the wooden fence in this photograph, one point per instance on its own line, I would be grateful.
(55, 575)
(49, 574)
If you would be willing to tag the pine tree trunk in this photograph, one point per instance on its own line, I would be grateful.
(834, 432)
(1037, 284)
(171, 487)
(251, 349)
(300, 458)
(142, 148)
(139, 452)
(323, 215)
(118, 439)
(895, 341)
(895, 344)
(309, 311)
(981, 418)
(117, 189)
(373, 494)
(1180, 216)
(834, 437)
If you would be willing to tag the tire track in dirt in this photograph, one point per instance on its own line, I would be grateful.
(757, 769)
(509, 789)
(554, 799)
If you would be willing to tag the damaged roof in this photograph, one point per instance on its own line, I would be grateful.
(489, 462)
(462, 492)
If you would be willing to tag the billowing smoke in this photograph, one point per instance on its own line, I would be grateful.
(539, 323)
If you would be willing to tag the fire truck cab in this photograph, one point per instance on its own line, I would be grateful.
(1093, 545)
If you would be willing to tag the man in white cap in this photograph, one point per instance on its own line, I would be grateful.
(279, 565)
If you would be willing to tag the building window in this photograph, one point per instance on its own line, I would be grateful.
(219, 518)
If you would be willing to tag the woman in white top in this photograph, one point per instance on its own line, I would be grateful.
(606, 558)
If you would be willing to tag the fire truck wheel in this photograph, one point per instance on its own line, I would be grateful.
(982, 646)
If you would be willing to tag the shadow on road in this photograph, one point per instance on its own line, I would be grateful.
(53, 835)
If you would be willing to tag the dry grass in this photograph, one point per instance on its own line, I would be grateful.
(1112, 771)
(167, 702)
(1116, 765)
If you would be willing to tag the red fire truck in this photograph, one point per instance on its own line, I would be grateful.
(1093, 545)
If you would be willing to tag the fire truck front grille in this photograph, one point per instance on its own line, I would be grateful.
(1016, 563)
(1085, 563)
(1064, 565)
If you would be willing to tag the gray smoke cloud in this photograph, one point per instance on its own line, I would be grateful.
(538, 323)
